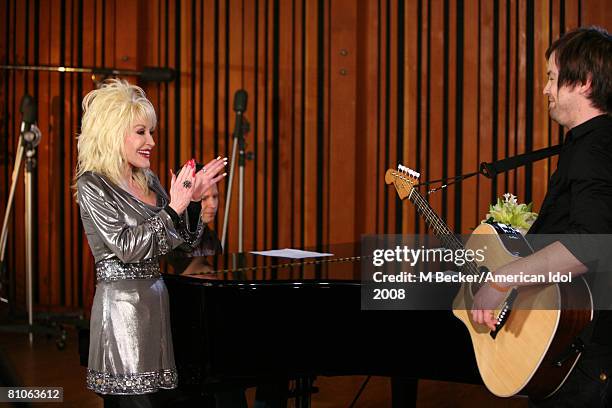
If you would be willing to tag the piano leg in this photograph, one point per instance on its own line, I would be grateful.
(271, 394)
(404, 392)
(276, 394)
(234, 398)
(303, 390)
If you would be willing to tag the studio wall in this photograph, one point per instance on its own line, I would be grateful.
(339, 91)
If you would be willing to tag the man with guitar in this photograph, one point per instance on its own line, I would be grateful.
(578, 201)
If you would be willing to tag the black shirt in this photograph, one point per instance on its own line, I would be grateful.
(579, 198)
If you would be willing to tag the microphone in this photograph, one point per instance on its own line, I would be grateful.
(155, 74)
(240, 105)
(151, 74)
(492, 169)
(29, 131)
(28, 113)
(240, 101)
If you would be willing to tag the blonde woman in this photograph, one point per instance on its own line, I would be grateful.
(130, 222)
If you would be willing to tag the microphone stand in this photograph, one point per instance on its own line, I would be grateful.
(28, 142)
(153, 74)
(242, 127)
(492, 169)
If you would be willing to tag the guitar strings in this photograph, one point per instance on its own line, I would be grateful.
(448, 238)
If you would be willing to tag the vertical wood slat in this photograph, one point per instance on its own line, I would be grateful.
(503, 61)
(311, 97)
(450, 135)
(384, 195)
(260, 124)
(323, 136)
(322, 140)
(56, 138)
(436, 99)
(4, 139)
(541, 169)
(485, 103)
(342, 103)
(18, 89)
(297, 67)
(286, 138)
(394, 138)
(471, 103)
(521, 94)
(67, 164)
(368, 172)
(44, 225)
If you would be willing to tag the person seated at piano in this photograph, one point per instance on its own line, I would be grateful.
(130, 221)
(204, 206)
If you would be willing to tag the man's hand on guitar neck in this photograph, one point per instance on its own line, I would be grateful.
(554, 257)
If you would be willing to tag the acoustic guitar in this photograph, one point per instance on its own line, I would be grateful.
(533, 348)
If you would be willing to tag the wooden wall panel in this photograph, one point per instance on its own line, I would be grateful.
(342, 104)
(337, 94)
(311, 120)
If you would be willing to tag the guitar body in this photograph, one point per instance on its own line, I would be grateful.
(532, 352)
(542, 323)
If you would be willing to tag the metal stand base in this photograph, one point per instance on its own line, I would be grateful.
(28, 141)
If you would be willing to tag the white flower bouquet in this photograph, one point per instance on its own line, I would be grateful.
(510, 212)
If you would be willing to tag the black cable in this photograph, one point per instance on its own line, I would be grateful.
(365, 382)
(453, 180)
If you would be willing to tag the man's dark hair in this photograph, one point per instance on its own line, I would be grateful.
(583, 54)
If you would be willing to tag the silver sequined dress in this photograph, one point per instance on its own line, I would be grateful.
(130, 350)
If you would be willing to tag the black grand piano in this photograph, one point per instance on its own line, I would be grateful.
(248, 318)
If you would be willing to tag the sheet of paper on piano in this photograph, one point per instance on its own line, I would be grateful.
(291, 253)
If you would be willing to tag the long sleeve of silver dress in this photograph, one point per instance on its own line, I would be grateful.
(130, 349)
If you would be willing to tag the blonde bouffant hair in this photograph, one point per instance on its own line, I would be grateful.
(108, 114)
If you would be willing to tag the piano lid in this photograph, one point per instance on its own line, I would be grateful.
(343, 266)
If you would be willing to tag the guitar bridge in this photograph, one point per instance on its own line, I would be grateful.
(506, 308)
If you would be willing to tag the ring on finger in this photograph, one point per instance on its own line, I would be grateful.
(187, 184)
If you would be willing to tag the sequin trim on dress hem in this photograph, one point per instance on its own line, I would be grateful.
(126, 384)
(110, 270)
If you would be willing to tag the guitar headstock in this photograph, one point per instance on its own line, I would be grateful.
(404, 180)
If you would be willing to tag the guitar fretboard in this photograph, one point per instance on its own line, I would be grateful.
(439, 227)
